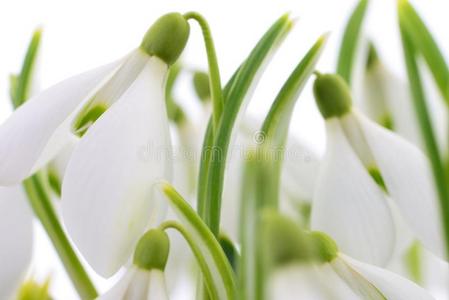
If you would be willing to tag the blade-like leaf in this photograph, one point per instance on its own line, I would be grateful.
(217, 271)
(242, 83)
(23, 80)
(351, 37)
(426, 45)
(276, 125)
(427, 131)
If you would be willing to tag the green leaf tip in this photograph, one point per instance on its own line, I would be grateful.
(350, 41)
(201, 85)
(285, 242)
(332, 95)
(372, 58)
(152, 250)
(167, 37)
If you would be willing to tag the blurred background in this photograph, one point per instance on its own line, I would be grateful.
(79, 35)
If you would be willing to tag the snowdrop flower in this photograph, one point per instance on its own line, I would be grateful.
(144, 280)
(40, 127)
(386, 99)
(107, 199)
(16, 230)
(308, 265)
(367, 171)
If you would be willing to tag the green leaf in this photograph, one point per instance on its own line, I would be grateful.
(217, 271)
(22, 84)
(250, 273)
(351, 38)
(276, 125)
(426, 45)
(427, 131)
(234, 97)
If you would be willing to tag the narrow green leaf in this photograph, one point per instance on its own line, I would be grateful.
(250, 273)
(218, 272)
(241, 84)
(427, 131)
(351, 38)
(276, 125)
(426, 45)
(24, 79)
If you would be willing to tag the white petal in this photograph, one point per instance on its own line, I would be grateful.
(301, 281)
(25, 134)
(119, 290)
(107, 197)
(300, 170)
(17, 238)
(391, 285)
(401, 104)
(157, 289)
(409, 180)
(138, 284)
(349, 206)
(59, 163)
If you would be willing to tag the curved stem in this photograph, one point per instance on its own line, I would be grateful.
(45, 212)
(214, 71)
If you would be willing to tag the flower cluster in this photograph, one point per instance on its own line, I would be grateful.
(227, 207)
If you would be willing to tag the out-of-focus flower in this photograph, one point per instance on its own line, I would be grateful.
(16, 231)
(308, 265)
(367, 170)
(386, 99)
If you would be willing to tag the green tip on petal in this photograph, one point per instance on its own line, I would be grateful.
(167, 37)
(201, 85)
(152, 250)
(88, 117)
(31, 290)
(285, 242)
(373, 58)
(332, 95)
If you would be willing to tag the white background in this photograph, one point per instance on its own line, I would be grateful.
(79, 35)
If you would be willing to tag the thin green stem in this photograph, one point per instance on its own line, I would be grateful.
(427, 131)
(44, 211)
(214, 71)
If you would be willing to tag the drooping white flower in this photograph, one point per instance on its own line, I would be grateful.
(386, 99)
(308, 265)
(349, 204)
(119, 111)
(107, 198)
(16, 232)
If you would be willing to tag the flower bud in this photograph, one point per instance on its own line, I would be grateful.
(332, 95)
(201, 85)
(152, 250)
(285, 242)
(167, 37)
